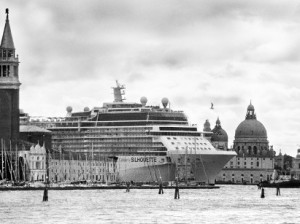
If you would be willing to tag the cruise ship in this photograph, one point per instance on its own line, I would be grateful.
(147, 143)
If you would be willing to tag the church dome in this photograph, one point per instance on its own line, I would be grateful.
(251, 128)
(219, 134)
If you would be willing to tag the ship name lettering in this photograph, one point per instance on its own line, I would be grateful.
(143, 159)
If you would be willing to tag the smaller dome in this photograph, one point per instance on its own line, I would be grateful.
(37, 147)
(219, 134)
(206, 126)
(86, 109)
(250, 107)
(32, 149)
(42, 149)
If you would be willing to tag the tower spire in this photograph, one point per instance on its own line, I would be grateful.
(7, 40)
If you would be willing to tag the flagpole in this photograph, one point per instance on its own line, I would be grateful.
(11, 167)
(16, 163)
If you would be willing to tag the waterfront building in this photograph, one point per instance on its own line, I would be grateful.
(279, 161)
(37, 165)
(34, 167)
(295, 171)
(255, 159)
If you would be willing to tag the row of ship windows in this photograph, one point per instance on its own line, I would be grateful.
(193, 143)
(184, 138)
(102, 130)
(103, 136)
(103, 146)
(102, 142)
(81, 164)
(194, 148)
(122, 150)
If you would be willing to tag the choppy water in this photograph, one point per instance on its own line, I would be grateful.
(229, 204)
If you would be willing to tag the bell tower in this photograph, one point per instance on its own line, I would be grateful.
(9, 86)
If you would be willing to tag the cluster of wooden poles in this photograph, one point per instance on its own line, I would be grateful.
(262, 195)
(160, 191)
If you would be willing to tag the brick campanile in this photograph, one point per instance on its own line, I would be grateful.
(9, 86)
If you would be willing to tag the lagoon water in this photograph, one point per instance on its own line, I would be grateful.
(228, 204)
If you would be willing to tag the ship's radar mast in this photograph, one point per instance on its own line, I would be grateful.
(119, 92)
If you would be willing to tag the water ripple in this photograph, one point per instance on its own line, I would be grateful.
(229, 204)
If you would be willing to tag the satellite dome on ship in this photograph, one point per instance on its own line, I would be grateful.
(143, 100)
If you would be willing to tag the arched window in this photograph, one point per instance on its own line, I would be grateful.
(255, 150)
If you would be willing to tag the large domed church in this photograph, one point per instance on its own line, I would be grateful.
(255, 159)
(251, 136)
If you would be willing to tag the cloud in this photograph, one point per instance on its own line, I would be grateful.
(193, 52)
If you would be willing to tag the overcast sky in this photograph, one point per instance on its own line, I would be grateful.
(193, 52)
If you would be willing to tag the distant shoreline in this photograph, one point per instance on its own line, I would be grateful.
(103, 188)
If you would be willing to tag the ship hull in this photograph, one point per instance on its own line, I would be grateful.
(199, 167)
